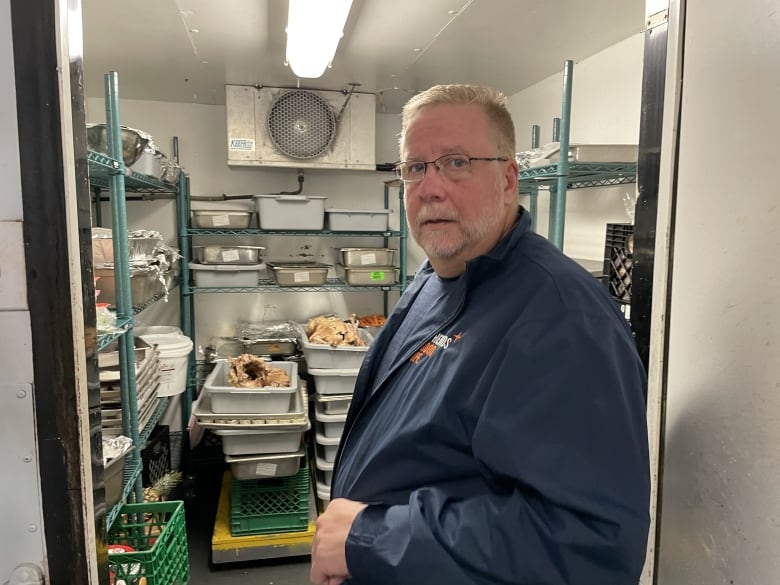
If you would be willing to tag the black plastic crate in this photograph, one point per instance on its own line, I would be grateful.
(156, 455)
(619, 259)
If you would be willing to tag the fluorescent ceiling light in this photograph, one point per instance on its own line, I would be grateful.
(314, 28)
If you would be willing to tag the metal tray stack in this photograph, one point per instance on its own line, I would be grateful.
(368, 266)
(147, 380)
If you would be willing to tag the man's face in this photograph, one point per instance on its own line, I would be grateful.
(456, 220)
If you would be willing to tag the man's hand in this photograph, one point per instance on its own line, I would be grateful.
(328, 551)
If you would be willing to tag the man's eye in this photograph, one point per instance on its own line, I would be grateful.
(415, 167)
(457, 162)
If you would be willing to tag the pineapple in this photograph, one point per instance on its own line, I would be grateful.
(162, 487)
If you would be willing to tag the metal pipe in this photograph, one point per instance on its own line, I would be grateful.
(556, 136)
(533, 205)
(558, 198)
(124, 303)
(535, 131)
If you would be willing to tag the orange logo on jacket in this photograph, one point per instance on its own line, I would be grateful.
(439, 341)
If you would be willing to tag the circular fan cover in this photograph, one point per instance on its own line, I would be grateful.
(301, 124)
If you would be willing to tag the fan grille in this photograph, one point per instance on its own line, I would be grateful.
(301, 124)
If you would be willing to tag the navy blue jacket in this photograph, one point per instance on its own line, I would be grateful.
(513, 448)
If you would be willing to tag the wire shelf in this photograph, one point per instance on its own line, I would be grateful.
(101, 167)
(146, 432)
(105, 339)
(267, 285)
(580, 176)
(260, 232)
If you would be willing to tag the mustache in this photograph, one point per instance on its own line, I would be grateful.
(429, 214)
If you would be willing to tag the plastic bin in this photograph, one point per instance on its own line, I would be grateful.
(290, 212)
(332, 425)
(319, 355)
(324, 474)
(266, 506)
(334, 403)
(226, 275)
(259, 441)
(221, 219)
(326, 447)
(264, 466)
(156, 532)
(358, 220)
(227, 399)
(112, 478)
(334, 380)
(141, 285)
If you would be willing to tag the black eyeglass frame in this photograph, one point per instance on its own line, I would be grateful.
(397, 166)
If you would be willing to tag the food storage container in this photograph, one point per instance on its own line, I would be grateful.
(221, 218)
(141, 284)
(371, 276)
(326, 447)
(299, 273)
(290, 212)
(334, 380)
(333, 403)
(229, 399)
(358, 220)
(332, 425)
(264, 466)
(214, 254)
(319, 355)
(324, 471)
(367, 256)
(260, 441)
(149, 163)
(226, 275)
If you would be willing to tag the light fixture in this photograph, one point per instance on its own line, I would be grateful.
(314, 28)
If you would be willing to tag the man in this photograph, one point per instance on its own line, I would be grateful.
(497, 430)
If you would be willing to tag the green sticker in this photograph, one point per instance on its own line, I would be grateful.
(378, 275)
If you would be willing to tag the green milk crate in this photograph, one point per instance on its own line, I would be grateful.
(156, 533)
(270, 506)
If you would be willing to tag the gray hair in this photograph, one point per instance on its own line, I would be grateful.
(493, 102)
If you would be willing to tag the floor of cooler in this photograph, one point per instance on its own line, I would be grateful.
(226, 548)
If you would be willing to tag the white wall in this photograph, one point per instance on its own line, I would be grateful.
(720, 512)
(606, 99)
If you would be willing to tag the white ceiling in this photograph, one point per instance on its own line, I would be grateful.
(187, 50)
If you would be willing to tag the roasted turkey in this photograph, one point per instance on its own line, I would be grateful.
(250, 371)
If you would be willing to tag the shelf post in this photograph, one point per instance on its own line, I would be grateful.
(124, 303)
(558, 197)
(533, 193)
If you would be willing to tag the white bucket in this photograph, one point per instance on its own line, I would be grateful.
(174, 355)
(156, 330)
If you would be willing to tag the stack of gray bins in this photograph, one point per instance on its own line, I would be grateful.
(334, 371)
(262, 429)
(147, 380)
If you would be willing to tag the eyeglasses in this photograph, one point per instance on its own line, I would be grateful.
(452, 166)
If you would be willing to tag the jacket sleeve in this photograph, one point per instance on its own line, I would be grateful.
(561, 437)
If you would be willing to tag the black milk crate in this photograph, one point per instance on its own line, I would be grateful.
(619, 259)
(156, 455)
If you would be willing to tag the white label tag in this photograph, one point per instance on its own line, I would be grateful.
(242, 144)
(220, 220)
(230, 255)
(267, 469)
(368, 259)
(301, 277)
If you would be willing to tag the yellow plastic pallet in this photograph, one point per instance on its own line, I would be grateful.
(226, 548)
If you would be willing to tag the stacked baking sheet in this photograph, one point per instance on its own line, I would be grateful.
(147, 379)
